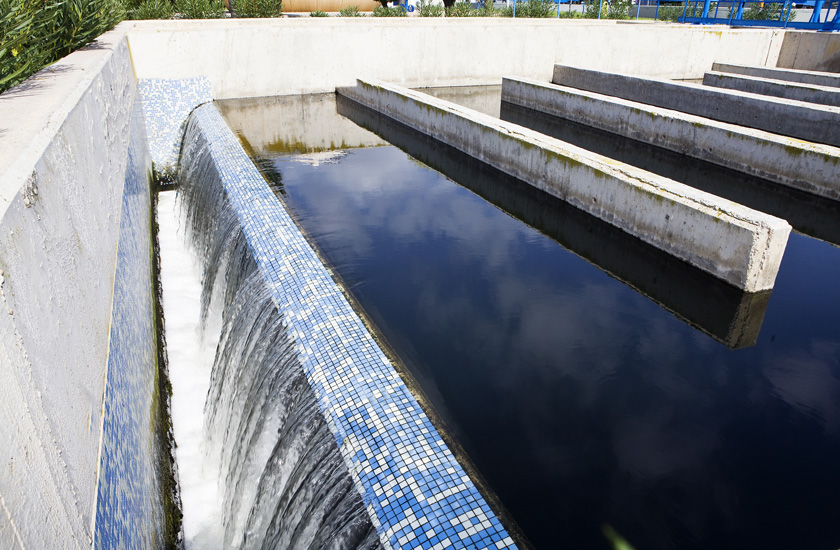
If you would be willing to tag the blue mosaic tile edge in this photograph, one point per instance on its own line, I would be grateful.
(129, 512)
(416, 493)
(167, 104)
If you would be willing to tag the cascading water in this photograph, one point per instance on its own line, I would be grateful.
(283, 479)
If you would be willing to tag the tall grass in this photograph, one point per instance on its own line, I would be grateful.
(256, 8)
(200, 9)
(36, 33)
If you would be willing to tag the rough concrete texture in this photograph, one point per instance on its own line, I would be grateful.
(817, 123)
(822, 95)
(62, 174)
(789, 75)
(731, 242)
(809, 51)
(802, 165)
(252, 58)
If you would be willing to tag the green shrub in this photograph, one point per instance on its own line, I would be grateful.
(459, 9)
(670, 13)
(256, 8)
(427, 9)
(350, 11)
(35, 33)
(767, 12)
(318, 13)
(609, 9)
(531, 8)
(385, 11)
(151, 9)
(200, 9)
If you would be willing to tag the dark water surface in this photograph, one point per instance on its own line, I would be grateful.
(592, 380)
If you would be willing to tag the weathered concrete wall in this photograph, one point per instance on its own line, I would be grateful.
(64, 160)
(817, 123)
(822, 95)
(805, 166)
(248, 58)
(790, 75)
(809, 51)
(733, 243)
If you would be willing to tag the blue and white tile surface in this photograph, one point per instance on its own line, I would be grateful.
(167, 104)
(416, 493)
(129, 511)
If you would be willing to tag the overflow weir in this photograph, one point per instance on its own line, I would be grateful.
(83, 389)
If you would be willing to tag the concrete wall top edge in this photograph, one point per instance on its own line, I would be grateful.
(821, 148)
(409, 51)
(736, 213)
(721, 91)
(32, 112)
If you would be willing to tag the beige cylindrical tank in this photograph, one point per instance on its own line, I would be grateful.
(326, 5)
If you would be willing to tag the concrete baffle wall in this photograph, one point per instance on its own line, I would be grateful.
(809, 167)
(816, 78)
(822, 95)
(797, 119)
(733, 243)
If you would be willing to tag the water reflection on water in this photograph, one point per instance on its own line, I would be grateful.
(582, 401)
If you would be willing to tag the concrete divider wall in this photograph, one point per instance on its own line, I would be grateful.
(822, 95)
(64, 163)
(732, 242)
(249, 58)
(797, 119)
(791, 162)
(790, 75)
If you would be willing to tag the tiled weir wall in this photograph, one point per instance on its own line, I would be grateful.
(416, 493)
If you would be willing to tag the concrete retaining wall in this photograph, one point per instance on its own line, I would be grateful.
(797, 119)
(733, 243)
(64, 164)
(805, 166)
(808, 51)
(248, 58)
(821, 95)
(790, 75)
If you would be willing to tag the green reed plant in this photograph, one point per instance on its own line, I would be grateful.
(318, 13)
(385, 11)
(609, 9)
(459, 9)
(427, 9)
(151, 9)
(35, 33)
(531, 8)
(350, 11)
(200, 9)
(256, 8)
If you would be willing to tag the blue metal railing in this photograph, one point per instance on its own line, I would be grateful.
(778, 13)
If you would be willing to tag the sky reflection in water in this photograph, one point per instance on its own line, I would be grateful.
(582, 402)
